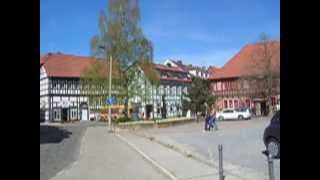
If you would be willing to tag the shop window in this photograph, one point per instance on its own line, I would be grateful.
(230, 104)
(236, 105)
(56, 114)
(247, 102)
(273, 101)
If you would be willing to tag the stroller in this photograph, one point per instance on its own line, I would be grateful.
(212, 123)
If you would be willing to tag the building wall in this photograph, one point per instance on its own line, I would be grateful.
(58, 95)
(171, 91)
(233, 93)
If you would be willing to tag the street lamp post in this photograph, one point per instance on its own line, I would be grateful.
(110, 78)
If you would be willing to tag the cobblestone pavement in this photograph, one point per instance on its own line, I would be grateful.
(242, 141)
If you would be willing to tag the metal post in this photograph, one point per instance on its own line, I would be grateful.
(110, 75)
(271, 168)
(270, 164)
(220, 163)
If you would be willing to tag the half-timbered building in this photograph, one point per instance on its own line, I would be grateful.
(62, 98)
(230, 85)
(164, 100)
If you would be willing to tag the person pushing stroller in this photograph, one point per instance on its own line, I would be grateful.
(212, 121)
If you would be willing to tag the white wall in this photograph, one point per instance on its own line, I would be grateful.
(44, 82)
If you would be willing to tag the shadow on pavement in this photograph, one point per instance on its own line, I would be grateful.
(51, 134)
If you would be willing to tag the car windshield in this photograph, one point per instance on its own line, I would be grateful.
(241, 110)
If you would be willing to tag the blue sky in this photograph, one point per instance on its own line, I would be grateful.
(202, 32)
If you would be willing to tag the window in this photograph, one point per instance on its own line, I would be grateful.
(56, 114)
(273, 101)
(173, 89)
(73, 113)
(69, 83)
(236, 105)
(247, 102)
(228, 111)
(179, 90)
(225, 104)
(58, 84)
(230, 104)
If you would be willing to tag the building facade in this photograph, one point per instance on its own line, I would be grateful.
(61, 95)
(63, 99)
(165, 99)
(232, 87)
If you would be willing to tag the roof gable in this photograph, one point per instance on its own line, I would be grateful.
(246, 61)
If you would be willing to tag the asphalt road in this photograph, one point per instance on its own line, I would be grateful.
(59, 146)
(241, 140)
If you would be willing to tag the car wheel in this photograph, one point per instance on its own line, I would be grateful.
(273, 147)
(240, 117)
(220, 118)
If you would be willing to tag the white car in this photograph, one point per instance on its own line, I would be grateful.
(94, 116)
(243, 113)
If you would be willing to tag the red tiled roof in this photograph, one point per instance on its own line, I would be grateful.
(242, 63)
(61, 65)
(213, 70)
(167, 68)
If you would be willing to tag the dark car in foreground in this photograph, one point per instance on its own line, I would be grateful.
(271, 136)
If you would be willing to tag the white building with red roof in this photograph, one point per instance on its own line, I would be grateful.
(61, 97)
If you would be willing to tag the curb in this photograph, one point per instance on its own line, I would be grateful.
(153, 162)
(192, 155)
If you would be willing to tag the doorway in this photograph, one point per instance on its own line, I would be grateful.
(84, 111)
(64, 115)
(264, 108)
(84, 114)
(149, 108)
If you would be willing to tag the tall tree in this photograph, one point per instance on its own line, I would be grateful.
(94, 82)
(199, 97)
(121, 38)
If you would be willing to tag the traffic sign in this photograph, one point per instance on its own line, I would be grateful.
(110, 100)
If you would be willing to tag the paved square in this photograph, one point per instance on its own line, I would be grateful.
(242, 142)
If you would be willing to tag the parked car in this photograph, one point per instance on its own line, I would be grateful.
(271, 136)
(243, 113)
(94, 116)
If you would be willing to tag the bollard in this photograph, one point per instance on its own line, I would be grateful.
(271, 168)
(220, 162)
(270, 164)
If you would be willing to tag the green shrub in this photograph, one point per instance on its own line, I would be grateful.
(123, 119)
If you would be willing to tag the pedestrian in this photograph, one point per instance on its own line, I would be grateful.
(278, 106)
(206, 123)
(210, 124)
(214, 120)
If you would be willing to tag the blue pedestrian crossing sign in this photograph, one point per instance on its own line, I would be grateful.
(110, 100)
